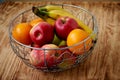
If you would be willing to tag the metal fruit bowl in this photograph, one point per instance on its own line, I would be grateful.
(23, 51)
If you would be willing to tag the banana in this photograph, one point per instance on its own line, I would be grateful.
(50, 7)
(43, 15)
(50, 21)
(56, 13)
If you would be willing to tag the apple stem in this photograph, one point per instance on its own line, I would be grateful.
(63, 21)
(37, 34)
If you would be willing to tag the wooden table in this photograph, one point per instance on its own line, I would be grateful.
(103, 64)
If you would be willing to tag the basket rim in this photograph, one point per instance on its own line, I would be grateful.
(95, 29)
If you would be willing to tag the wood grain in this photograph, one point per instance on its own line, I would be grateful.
(103, 64)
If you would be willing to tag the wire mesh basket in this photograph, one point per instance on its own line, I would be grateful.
(66, 59)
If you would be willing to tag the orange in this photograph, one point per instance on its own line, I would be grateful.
(36, 21)
(21, 33)
(75, 37)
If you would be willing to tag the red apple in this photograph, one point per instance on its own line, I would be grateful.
(64, 25)
(47, 57)
(42, 33)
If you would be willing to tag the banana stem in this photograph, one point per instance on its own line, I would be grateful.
(42, 9)
(40, 13)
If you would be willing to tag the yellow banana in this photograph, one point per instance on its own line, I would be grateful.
(58, 13)
(50, 21)
(51, 7)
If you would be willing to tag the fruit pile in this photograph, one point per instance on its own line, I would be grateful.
(54, 28)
